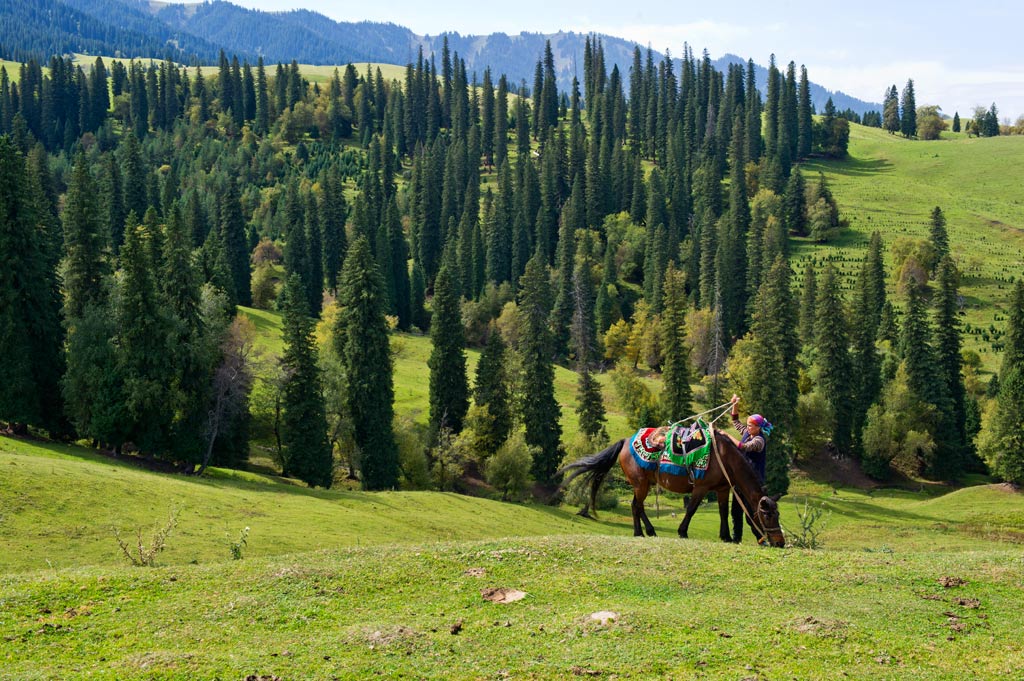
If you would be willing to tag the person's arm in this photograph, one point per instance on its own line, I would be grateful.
(754, 444)
(735, 415)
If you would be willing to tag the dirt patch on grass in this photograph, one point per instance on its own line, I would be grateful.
(162, 660)
(502, 595)
(400, 635)
(823, 628)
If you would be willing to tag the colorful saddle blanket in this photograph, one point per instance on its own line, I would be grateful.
(686, 450)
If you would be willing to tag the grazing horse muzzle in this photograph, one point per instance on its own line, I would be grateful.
(768, 514)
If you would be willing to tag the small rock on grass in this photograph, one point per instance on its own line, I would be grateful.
(502, 595)
(604, 617)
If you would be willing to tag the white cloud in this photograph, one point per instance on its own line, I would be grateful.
(952, 88)
(718, 37)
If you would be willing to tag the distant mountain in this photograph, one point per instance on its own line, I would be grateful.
(41, 28)
(190, 32)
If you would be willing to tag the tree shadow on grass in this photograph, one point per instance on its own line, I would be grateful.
(853, 167)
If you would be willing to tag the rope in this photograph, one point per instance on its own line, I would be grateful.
(694, 417)
(739, 497)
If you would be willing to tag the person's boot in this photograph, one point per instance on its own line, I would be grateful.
(737, 522)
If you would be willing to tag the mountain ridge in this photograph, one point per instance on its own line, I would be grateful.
(199, 30)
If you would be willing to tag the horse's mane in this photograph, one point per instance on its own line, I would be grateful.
(743, 471)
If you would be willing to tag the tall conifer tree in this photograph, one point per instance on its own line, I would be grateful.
(449, 386)
(676, 396)
(232, 226)
(834, 367)
(776, 345)
(308, 454)
(361, 339)
(540, 411)
(491, 388)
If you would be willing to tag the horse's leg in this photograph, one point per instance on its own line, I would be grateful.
(737, 520)
(647, 521)
(640, 491)
(723, 516)
(691, 508)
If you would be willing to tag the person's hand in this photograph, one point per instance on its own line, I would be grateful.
(735, 400)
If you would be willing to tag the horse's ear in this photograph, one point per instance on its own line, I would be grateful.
(776, 497)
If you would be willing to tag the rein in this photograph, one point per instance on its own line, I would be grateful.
(739, 497)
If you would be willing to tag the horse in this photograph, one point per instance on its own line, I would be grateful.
(727, 468)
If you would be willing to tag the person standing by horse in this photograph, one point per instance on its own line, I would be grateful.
(753, 443)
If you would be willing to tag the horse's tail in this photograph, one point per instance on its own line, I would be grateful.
(595, 468)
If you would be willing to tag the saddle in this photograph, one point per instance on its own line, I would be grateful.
(679, 450)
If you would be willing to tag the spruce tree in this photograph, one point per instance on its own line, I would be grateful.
(952, 445)
(908, 109)
(834, 366)
(561, 314)
(86, 261)
(113, 192)
(314, 274)
(449, 387)
(540, 411)
(590, 404)
(30, 333)
(332, 212)
(232, 226)
(1001, 443)
(891, 111)
(774, 389)
(361, 340)
(794, 204)
(491, 389)
(262, 121)
(147, 353)
(804, 120)
(133, 173)
(916, 348)
(870, 298)
(308, 454)
(1013, 353)
(939, 236)
(774, 94)
(676, 397)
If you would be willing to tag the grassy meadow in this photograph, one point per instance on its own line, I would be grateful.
(352, 585)
(891, 184)
(412, 390)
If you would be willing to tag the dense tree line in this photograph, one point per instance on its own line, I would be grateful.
(582, 227)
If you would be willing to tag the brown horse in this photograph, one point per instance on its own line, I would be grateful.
(727, 468)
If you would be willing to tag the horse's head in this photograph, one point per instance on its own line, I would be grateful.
(768, 514)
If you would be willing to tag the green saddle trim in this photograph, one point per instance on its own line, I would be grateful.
(697, 457)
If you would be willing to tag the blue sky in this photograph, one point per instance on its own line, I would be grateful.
(959, 54)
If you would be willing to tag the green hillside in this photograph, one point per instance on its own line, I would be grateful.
(412, 391)
(350, 584)
(892, 184)
(58, 505)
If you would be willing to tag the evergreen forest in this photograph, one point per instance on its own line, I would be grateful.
(636, 224)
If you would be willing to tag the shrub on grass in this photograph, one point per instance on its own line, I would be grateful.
(508, 470)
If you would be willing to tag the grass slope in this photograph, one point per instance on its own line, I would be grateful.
(892, 184)
(412, 390)
(352, 585)
(681, 610)
(58, 504)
